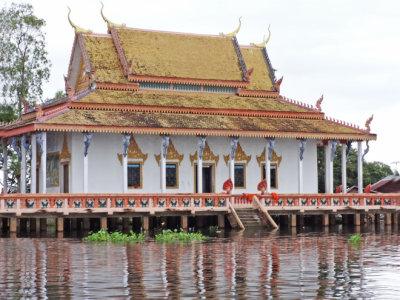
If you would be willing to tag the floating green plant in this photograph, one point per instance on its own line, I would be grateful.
(171, 236)
(355, 239)
(116, 237)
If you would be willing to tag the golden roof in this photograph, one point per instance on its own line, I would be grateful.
(208, 124)
(189, 100)
(103, 57)
(260, 78)
(155, 53)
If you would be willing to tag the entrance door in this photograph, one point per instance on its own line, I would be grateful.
(208, 178)
(66, 178)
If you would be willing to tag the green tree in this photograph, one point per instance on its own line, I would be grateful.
(372, 171)
(23, 58)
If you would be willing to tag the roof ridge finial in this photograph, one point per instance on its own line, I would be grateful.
(318, 104)
(265, 40)
(77, 28)
(368, 123)
(109, 23)
(234, 33)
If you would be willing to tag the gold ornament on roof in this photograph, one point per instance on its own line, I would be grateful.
(208, 155)
(65, 155)
(368, 123)
(263, 43)
(77, 28)
(172, 154)
(134, 152)
(274, 158)
(234, 33)
(109, 23)
(240, 155)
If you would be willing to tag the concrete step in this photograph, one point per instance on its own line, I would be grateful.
(249, 217)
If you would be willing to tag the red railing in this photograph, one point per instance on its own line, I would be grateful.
(321, 200)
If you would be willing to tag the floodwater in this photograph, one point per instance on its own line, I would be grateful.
(309, 263)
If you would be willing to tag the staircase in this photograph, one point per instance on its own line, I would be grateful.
(249, 217)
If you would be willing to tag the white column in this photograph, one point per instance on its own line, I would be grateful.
(302, 147)
(199, 175)
(125, 141)
(201, 143)
(344, 168)
(43, 162)
(327, 165)
(268, 174)
(232, 173)
(87, 137)
(360, 168)
(23, 168)
(33, 164)
(5, 169)
(125, 172)
(163, 162)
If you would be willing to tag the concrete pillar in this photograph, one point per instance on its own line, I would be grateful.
(184, 222)
(395, 219)
(145, 223)
(126, 223)
(268, 174)
(163, 162)
(232, 173)
(43, 163)
(60, 224)
(293, 221)
(43, 224)
(360, 168)
(125, 173)
(327, 167)
(302, 147)
(221, 221)
(33, 164)
(325, 220)
(74, 224)
(87, 138)
(103, 222)
(13, 224)
(388, 219)
(357, 219)
(5, 167)
(344, 169)
(86, 224)
(23, 166)
(199, 176)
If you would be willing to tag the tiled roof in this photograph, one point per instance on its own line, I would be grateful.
(102, 55)
(155, 53)
(260, 78)
(221, 125)
(189, 100)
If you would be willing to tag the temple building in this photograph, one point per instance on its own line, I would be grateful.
(167, 112)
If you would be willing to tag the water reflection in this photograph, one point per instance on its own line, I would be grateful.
(249, 264)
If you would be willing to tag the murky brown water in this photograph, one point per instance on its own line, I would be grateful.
(252, 264)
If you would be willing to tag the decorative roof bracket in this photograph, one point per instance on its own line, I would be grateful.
(234, 33)
(109, 23)
(77, 28)
(265, 40)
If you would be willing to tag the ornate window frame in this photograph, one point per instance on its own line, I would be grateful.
(140, 163)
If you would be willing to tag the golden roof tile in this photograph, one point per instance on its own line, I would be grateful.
(155, 53)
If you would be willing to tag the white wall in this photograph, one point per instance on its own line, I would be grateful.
(105, 170)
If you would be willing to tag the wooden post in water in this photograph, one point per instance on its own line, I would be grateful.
(293, 221)
(13, 224)
(325, 220)
(60, 224)
(357, 219)
(184, 222)
(103, 223)
(395, 219)
(145, 223)
(43, 224)
(388, 219)
(221, 221)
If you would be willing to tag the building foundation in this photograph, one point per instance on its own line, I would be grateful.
(184, 222)
(221, 221)
(60, 224)
(145, 223)
(103, 223)
(13, 224)
(325, 220)
(293, 222)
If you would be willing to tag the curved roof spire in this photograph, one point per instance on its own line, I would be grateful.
(77, 28)
(263, 43)
(234, 33)
(109, 23)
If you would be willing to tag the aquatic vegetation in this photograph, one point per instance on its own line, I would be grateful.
(213, 229)
(355, 239)
(171, 236)
(116, 237)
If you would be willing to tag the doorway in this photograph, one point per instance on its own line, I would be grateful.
(208, 178)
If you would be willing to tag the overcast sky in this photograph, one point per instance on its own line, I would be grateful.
(349, 51)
